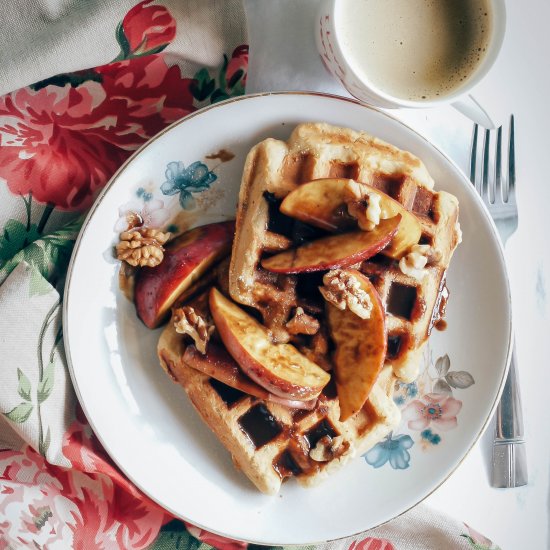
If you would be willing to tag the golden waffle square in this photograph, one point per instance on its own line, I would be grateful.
(274, 168)
(271, 443)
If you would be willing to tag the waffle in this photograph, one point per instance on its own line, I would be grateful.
(274, 168)
(271, 443)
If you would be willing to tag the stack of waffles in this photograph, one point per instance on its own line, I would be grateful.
(269, 441)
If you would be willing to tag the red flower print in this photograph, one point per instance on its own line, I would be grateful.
(31, 504)
(237, 66)
(438, 410)
(62, 144)
(218, 542)
(148, 28)
(371, 544)
(113, 519)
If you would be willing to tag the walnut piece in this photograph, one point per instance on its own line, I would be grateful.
(327, 448)
(187, 321)
(343, 291)
(363, 206)
(302, 323)
(413, 263)
(142, 247)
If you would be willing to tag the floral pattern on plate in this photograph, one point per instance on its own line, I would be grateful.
(185, 188)
(429, 409)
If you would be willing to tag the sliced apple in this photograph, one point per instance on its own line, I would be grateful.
(340, 250)
(279, 368)
(218, 364)
(186, 259)
(360, 349)
(319, 203)
(323, 203)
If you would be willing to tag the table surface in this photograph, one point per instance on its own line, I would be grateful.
(283, 57)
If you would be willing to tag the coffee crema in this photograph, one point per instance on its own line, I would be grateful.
(418, 50)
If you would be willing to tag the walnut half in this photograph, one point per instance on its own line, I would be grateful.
(343, 291)
(142, 247)
(302, 323)
(187, 321)
(363, 205)
(327, 448)
(413, 263)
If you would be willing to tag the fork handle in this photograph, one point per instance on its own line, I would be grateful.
(509, 459)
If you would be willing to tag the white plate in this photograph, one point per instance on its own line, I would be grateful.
(147, 424)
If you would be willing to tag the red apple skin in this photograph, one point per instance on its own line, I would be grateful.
(320, 202)
(186, 259)
(336, 251)
(265, 363)
(218, 364)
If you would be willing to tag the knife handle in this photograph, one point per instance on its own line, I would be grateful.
(509, 457)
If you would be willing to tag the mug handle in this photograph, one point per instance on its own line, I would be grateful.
(470, 108)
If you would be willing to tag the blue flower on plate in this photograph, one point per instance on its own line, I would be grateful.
(429, 436)
(193, 179)
(393, 450)
(143, 194)
(404, 392)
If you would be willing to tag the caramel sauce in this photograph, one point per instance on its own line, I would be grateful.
(401, 300)
(321, 429)
(394, 345)
(260, 425)
(286, 466)
(230, 396)
(438, 314)
(223, 155)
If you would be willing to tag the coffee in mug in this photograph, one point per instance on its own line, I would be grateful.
(414, 50)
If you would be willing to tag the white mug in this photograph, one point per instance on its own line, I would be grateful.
(333, 56)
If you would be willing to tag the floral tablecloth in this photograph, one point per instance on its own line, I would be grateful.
(62, 136)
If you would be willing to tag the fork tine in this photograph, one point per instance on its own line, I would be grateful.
(511, 194)
(473, 155)
(496, 185)
(485, 167)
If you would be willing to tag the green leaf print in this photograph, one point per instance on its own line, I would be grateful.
(74, 79)
(174, 536)
(24, 387)
(49, 255)
(202, 85)
(222, 83)
(38, 285)
(477, 546)
(15, 237)
(123, 43)
(20, 413)
(45, 385)
(45, 446)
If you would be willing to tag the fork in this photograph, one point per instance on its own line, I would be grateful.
(509, 465)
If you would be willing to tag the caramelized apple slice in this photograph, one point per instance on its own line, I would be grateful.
(322, 203)
(186, 259)
(218, 364)
(340, 250)
(279, 368)
(360, 349)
